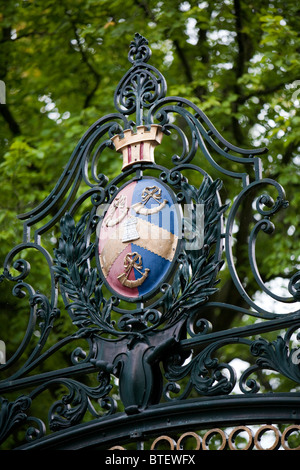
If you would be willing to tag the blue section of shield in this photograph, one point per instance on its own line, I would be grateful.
(158, 269)
(167, 217)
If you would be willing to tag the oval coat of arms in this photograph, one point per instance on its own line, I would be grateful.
(139, 239)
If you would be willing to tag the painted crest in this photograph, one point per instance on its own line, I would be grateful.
(139, 238)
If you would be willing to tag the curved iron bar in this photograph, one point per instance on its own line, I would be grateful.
(174, 417)
(264, 224)
(71, 177)
(267, 227)
(47, 311)
(70, 410)
(205, 374)
(161, 116)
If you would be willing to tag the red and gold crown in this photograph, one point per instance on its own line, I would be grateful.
(138, 147)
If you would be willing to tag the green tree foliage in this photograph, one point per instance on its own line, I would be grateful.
(61, 61)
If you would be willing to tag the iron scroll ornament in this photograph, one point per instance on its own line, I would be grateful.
(167, 323)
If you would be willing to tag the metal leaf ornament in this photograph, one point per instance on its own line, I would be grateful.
(195, 280)
(80, 283)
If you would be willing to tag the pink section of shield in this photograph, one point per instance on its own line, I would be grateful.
(116, 231)
(118, 268)
(109, 232)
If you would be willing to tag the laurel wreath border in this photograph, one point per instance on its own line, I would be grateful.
(192, 284)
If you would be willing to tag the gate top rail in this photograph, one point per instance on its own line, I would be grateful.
(167, 419)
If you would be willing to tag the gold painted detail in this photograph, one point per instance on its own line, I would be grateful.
(150, 192)
(151, 237)
(133, 260)
(257, 437)
(156, 239)
(119, 203)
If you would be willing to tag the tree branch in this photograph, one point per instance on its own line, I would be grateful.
(8, 117)
(184, 61)
(244, 46)
(265, 91)
(85, 59)
(179, 50)
(4, 109)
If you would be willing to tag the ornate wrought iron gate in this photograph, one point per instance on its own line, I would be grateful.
(136, 269)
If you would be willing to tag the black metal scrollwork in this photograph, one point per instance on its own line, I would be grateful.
(143, 85)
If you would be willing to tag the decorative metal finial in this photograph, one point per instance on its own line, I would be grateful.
(139, 50)
(142, 85)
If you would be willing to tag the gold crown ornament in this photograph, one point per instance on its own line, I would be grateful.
(138, 146)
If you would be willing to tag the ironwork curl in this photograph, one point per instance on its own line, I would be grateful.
(143, 84)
